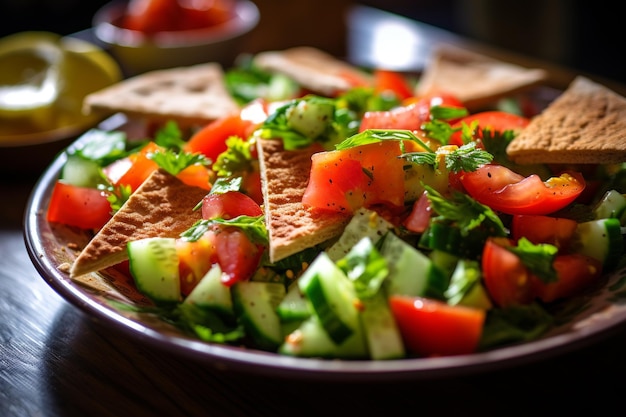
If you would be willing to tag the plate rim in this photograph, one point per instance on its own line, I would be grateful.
(255, 361)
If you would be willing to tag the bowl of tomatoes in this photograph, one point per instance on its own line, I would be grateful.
(145, 35)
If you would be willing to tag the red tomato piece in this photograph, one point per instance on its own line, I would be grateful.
(433, 328)
(361, 176)
(409, 117)
(494, 120)
(141, 167)
(386, 81)
(87, 208)
(576, 272)
(237, 255)
(196, 175)
(503, 190)
(506, 278)
(417, 221)
(211, 139)
(229, 205)
(544, 229)
(151, 16)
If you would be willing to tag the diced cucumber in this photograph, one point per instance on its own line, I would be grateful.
(255, 305)
(601, 239)
(312, 340)
(381, 331)
(466, 287)
(446, 262)
(81, 172)
(211, 294)
(612, 204)
(410, 271)
(294, 306)
(364, 223)
(332, 297)
(311, 117)
(153, 263)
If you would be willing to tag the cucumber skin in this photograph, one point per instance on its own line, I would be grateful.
(211, 294)
(153, 263)
(254, 304)
(310, 340)
(601, 239)
(332, 297)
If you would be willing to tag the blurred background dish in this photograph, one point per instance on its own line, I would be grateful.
(43, 81)
(147, 35)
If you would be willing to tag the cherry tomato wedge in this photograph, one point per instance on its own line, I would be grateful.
(508, 192)
(387, 81)
(433, 328)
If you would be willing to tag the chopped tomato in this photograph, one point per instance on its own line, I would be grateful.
(196, 175)
(87, 208)
(509, 282)
(195, 260)
(506, 278)
(386, 81)
(508, 192)
(345, 180)
(409, 117)
(417, 221)
(494, 120)
(211, 139)
(576, 272)
(557, 231)
(151, 16)
(140, 168)
(251, 186)
(229, 205)
(434, 328)
(237, 255)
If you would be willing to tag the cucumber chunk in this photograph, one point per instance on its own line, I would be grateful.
(612, 204)
(211, 294)
(601, 239)
(153, 263)
(381, 331)
(255, 305)
(364, 223)
(294, 306)
(410, 271)
(310, 339)
(82, 172)
(332, 297)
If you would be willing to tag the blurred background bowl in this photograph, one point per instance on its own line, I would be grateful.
(139, 52)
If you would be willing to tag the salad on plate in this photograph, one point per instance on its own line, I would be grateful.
(371, 223)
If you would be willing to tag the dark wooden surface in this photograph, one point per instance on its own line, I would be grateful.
(57, 361)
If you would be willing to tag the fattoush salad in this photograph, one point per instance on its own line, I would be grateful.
(441, 243)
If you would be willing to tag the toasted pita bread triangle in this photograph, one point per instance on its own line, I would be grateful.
(161, 206)
(313, 69)
(193, 95)
(291, 227)
(477, 80)
(585, 124)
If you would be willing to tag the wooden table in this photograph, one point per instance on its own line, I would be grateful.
(57, 361)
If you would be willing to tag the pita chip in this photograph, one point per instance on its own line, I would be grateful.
(291, 226)
(193, 95)
(477, 80)
(585, 124)
(161, 207)
(313, 69)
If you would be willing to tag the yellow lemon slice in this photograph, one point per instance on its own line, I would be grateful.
(44, 80)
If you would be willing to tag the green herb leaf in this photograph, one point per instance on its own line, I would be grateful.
(366, 267)
(539, 259)
(252, 226)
